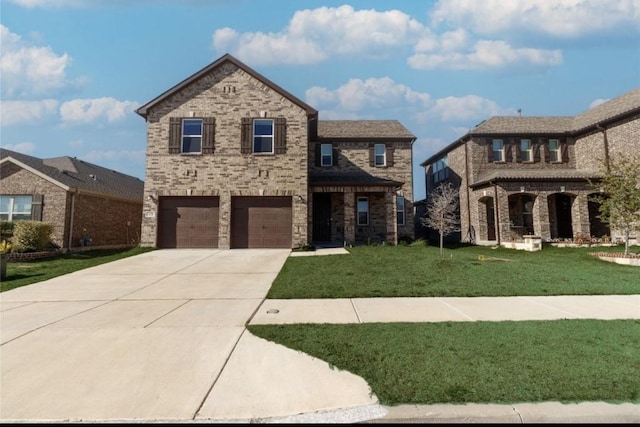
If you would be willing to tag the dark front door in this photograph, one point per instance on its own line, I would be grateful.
(563, 216)
(491, 219)
(321, 217)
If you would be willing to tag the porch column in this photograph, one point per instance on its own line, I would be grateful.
(349, 217)
(391, 216)
(224, 231)
(580, 215)
(541, 217)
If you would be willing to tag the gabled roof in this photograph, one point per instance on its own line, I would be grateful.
(71, 173)
(144, 110)
(615, 109)
(367, 130)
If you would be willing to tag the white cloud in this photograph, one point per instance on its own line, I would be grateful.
(462, 109)
(21, 147)
(556, 18)
(18, 112)
(597, 102)
(373, 93)
(29, 70)
(97, 109)
(486, 54)
(314, 35)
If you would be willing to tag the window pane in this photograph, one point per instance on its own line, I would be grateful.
(326, 149)
(4, 203)
(363, 218)
(191, 144)
(21, 217)
(192, 127)
(262, 144)
(379, 149)
(363, 205)
(497, 150)
(22, 204)
(553, 144)
(263, 127)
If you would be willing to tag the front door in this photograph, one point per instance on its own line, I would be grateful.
(491, 219)
(321, 217)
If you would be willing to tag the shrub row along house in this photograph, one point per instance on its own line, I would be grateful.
(86, 204)
(535, 175)
(236, 161)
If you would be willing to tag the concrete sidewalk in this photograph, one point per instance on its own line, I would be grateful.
(161, 337)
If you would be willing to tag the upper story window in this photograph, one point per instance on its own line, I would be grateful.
(400, 212)
(498, 150)
(363, 211)
(380, 153)
(15, 208)
(440, 170)
(326, 155)
(526, 150)
(191, 136)
(554, 150)
(263, 136)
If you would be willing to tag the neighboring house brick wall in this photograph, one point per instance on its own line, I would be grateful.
(228, 94)
(109, 222)
(24, 182)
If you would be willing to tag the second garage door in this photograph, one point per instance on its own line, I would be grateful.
(261, 222)
(188, 222)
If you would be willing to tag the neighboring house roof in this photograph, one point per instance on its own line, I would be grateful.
(615, 109)
(351, 179)
(73, 174)
(144, 110)
(532, 175)
(369, 130)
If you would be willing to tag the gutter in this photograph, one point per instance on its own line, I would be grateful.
(466, 177)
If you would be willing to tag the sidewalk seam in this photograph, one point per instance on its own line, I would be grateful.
(355, 310)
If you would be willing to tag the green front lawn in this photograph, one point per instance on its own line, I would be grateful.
(481, 362)
(28, 272)
(467, 271)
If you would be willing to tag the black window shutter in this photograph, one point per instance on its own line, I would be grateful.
(519, 152)
(547, 156)
(389, 156)
(175, 134)
(280, 145)
(318, 159)
(489, 151)
(36, 207)
(246, 133)
(334, 156)
(372, 155)
(565, 152)
(508, 150)
(208, 135)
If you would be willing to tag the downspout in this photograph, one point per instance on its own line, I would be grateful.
(466, 177)
(497, 210)
(73, 208)
(606, 146)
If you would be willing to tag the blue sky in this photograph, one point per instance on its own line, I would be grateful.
(72, 72)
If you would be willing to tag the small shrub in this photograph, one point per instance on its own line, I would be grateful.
(6, 230)
(32, 236)
(5, 246)
(419, 242)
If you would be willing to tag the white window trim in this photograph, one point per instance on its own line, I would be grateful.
(383, 155)
(530, 151)
(11, 212)
(501, 150)
(401, 210)
(191, 136)
(557, 151)
(253, 139)
(330, 155)
(358, 211)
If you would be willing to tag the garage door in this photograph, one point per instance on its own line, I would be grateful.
(261, 222)
(188, 222)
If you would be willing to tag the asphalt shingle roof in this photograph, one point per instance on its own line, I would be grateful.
(352, 179)
(363, 129)
(76, 173)
(533, 175)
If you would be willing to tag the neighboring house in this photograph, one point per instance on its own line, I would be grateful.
(236, 161)
(82, 200)
(532, 175)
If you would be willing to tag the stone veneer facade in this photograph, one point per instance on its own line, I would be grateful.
(228, 94)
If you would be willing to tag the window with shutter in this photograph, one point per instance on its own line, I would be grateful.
(175, 132)
(380, 153)
(280, 131)
(15, 208)
(246, 133)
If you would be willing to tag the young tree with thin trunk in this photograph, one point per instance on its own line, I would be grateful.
(620, 199)
(442, 212)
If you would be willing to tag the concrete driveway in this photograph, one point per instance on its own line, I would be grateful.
(160, 337)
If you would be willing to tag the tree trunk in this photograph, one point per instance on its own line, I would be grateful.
(626, 241)
(441, 245)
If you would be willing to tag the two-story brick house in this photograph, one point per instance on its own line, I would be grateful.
(535, 175)
(236, 161)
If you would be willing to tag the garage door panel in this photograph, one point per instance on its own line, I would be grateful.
(189, 222)
(261, 222)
